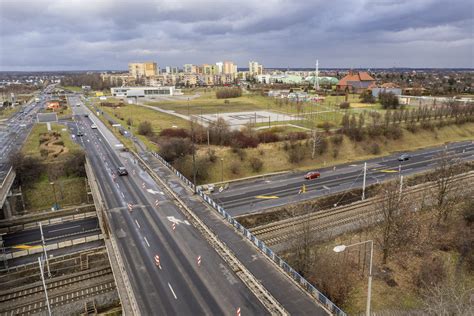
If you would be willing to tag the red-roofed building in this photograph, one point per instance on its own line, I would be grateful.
(355, 82)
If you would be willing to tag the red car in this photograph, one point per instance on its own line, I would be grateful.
(312, 175)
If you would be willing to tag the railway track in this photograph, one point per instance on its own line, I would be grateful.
(29, 300)
(286, 230)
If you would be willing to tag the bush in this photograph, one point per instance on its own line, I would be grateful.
(256, 164)
(297, 136)
(27, 168)
(388, 100)
(431, 273)
(393, 132)
(242, 140)
(235, 168)
(427, 126)
(296, 153)
(129, 122)
(227, 93)
(412, 127)
(344, 105)
(240, 153)
(337, 139)
(74, 164)
(174, 132)
(174, 148)
(326, 126)
(145, 128)
(374, 149)
(268, 137)
(211, 154)
(335, 152)
(322, 146)
(367, 97)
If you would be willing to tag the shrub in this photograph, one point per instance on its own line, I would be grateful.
(74, 164)
(211, 154)
(242, 140)
(268, 137)
(412, 127)
(322, 146)
(367, 97)
(256, 164)
(337, 139)
(335, 152)
(174, 148)
(235, 168)
(374, 149)
(427, 125)
(297, 136)
(296, 153)
(431, 273)
(27, 168)
(145, 128)
(227, 93)
(174, 132)
(388, 100)
(393, 132)
(240, 153)
(344, 105)
(129, 121)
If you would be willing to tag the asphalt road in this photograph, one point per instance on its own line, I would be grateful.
(256, 195)
(179, 286)
(53, 233)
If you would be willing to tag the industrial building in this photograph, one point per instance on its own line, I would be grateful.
(142, 92)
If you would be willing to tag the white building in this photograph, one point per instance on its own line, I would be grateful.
(141, 92)
(220, 67)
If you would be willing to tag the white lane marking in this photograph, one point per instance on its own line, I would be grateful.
(177, 221)
(122, 195)
(146, 240)
(59, 229)
(116, 183)
(153, 191)
(326, 187)
(136, 222)
(175, 297)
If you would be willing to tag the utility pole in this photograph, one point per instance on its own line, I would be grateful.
(44, 249)
(363, 183)
(44, 285)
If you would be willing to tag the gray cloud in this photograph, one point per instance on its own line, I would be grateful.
(106, 34)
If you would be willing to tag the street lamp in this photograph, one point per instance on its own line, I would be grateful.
(341, 248)
(222, 169)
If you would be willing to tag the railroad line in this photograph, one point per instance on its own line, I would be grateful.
(286, 230)
(38, 305)
(12, 295)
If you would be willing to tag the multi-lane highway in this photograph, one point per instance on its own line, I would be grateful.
(172, 269)
(257, 195)
(53, 233)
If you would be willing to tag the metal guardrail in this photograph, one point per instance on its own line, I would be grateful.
(311, 289)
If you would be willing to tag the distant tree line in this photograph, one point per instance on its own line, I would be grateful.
(92, 80)
(227, 93)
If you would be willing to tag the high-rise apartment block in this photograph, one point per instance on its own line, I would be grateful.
(255, 68)
(229, 68)
(145, 69)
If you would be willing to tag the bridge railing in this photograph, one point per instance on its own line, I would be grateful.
(260, 244)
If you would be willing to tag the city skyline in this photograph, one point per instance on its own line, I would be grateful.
(81, 35)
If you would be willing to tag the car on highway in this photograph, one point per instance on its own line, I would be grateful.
(122, 171)
(312, 175)
(404, 157)
(79, 134)
(93, 126)
(86, 115)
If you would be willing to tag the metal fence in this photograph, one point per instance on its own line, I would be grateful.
(260, 244)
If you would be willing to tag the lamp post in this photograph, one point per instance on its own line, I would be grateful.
(341, 248)
(222, 169)
(55, 199)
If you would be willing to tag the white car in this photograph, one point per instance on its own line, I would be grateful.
(93, 126)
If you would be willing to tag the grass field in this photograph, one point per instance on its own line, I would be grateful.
(69, 191)
(275, 158)
(71, 88)
(31, 146)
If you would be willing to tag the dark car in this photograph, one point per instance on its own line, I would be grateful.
(122, 171)
(79, 134)
(404, 157)
(86, 115)
(312, 175)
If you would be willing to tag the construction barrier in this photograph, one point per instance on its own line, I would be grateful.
(260, 244)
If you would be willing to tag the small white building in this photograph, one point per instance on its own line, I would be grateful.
(142, 92)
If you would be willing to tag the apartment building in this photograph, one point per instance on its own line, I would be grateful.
(255, 68)
(145, 69)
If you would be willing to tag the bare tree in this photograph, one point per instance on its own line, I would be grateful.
(444, 191)
(398, 224)
(453, 297)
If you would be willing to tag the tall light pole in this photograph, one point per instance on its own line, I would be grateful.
(341, 248)
(363, 183)
(222, 169)
(55, 199)
(44, 249)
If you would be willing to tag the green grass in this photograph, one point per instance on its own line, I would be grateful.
(71, 88)
(69, 191)
(276, 159)
(31, 145)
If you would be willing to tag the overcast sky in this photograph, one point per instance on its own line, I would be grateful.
(107, 34)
